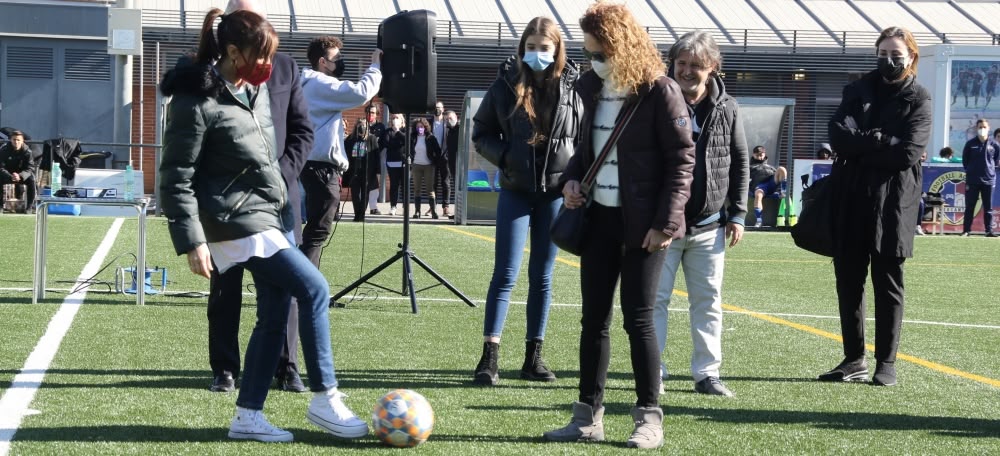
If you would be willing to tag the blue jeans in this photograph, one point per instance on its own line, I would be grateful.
(517, 212)
(285, 273)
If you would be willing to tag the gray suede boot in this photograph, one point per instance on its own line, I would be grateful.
(587, 425)
(648, 431)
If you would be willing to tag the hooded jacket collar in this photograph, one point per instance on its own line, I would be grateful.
(509, 71)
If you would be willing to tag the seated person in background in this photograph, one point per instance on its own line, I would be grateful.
(825, 152)
(946, 155)
(765, 181)
(17, 165)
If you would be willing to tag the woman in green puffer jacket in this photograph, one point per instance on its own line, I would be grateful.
(225, 201)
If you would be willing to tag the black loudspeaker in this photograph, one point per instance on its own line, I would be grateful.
(409, 61)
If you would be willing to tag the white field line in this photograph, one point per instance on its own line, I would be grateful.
(15, 401)
(776, 314)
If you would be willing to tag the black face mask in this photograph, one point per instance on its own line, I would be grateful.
(341, 66)
(891, 68)
(757, 161)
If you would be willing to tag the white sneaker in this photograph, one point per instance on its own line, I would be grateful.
(328, 411)
(392, 212)
(920, 230)
(759, 223)
(662, 391)
(252, 425)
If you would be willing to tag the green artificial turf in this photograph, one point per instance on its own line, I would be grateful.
(133, 380)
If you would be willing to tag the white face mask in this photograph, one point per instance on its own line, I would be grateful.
(984, 133)
(452, 122)
(602, 69)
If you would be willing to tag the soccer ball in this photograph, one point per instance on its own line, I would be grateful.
(403, 418)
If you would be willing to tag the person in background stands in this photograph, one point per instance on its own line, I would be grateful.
(426, 151)
(766, 181)
(825, 152)
(979, 158)
(377, 129)
(17, 167)
(451, 152)
(439, 128)
(394, 141)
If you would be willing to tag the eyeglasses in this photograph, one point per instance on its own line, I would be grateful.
(595, 56)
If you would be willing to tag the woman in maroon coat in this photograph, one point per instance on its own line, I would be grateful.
(637, 209)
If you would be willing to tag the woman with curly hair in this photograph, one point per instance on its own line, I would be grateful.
(636, 209)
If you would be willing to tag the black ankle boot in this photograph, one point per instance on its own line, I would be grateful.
(486, 372)
(534, 368)
(434, 213)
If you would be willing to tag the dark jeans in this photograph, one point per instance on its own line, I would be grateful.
(321, 182)
(279, 277)
(604, 260)
(519, 213)
(225, 299)
(443, 177)
(973, 192)
(851, 269)
(395, 182)
(29, 186)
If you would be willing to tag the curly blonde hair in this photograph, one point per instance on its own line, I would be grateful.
(636, 61)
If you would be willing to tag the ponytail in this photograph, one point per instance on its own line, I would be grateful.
(208, 46)
(246, 30)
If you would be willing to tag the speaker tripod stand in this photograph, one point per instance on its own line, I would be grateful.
(405, 253)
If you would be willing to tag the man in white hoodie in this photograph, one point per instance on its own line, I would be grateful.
(328, 96)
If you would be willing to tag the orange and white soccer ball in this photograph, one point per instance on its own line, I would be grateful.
(403, 418)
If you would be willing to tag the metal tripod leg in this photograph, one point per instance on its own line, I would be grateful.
(442, 280)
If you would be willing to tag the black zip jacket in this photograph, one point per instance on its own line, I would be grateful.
(501, 135)
(219, 174)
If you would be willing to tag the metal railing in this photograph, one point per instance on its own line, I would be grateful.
(503, 33)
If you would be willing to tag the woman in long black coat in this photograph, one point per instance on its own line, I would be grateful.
(879, 132)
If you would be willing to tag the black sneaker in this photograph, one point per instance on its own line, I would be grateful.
(223, 383)
(885, 374)
(847, 371)
(291, 382)
(712, 386)
(991, 235)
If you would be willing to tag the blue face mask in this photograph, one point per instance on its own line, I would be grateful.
(538, 61)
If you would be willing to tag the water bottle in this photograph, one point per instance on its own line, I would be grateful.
(129, 183)
(56, 178)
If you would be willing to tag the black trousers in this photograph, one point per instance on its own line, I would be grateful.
(604, 260)
(973, 194)
(851, 270)
(442, 175)
(321, 182)
(395, 183)
(363, 180)
(225, 299)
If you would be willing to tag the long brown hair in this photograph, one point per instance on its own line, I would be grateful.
(525, 88)
(246, 30)
(908, 40)
(626, 43)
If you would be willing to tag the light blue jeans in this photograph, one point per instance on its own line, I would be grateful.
(703, 256)
(517, 214)
(285, 273)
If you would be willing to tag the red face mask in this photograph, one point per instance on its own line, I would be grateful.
(254, 74)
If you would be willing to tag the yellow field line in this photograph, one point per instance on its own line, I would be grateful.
(493, 240)
(804, 328)
(908, 263)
